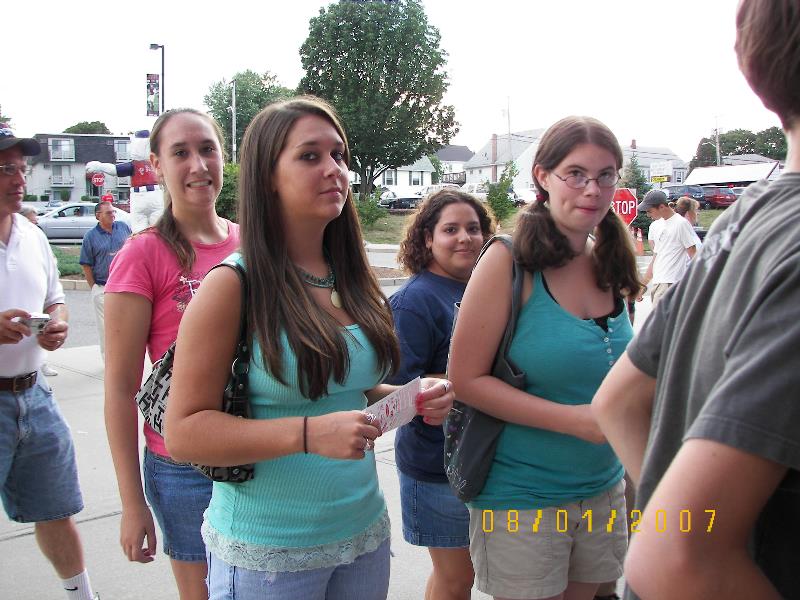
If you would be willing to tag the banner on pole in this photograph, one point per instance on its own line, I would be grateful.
(153, 94)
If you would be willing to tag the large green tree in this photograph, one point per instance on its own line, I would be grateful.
(380, 64)
(769, 142)
(88, 127)
(772, 143)
(4, 118)
(737, 141)
(253, 92)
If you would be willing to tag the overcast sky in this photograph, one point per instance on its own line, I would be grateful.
(662, 72)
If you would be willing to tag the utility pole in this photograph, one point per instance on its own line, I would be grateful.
(716, 139)
(508, 115)
(233, 121)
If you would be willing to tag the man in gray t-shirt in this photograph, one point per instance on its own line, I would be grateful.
(703, 409)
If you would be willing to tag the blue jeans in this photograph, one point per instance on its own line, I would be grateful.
(365, 579)
(38, 473)
(432, 514)
(178, 495)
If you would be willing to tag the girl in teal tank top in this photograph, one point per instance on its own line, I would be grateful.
(312, 523)
(552, 470)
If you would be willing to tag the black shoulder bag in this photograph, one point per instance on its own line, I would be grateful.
(152, 397)
(471, 436)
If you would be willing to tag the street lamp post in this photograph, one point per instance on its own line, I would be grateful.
(161, 47)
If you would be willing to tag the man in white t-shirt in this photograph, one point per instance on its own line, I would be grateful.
(672, 241)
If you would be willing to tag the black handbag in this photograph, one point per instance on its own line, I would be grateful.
(471, 436)
(152, 397)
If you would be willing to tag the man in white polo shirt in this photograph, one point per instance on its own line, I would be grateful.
(38, 473)
(674, 241)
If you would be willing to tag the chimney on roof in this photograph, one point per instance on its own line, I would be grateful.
(633, 144)
(494, 158)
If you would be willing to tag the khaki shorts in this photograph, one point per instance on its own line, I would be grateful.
(511, 560)
(658, 291)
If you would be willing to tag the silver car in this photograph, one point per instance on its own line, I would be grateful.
(73, 220)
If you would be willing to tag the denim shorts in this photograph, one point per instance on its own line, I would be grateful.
(367, 578)
(38, 473)
(432, 515)
(178, 495)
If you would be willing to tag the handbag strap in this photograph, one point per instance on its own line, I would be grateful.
(517, 278)
(241, 359)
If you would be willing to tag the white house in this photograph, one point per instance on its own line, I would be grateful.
(416, 175)
(488, 163)
(61, 165)
(453, 159)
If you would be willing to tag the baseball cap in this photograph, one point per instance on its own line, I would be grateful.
(29, 146)
(652, 199)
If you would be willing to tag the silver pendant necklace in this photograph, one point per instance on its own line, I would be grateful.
(328, 282)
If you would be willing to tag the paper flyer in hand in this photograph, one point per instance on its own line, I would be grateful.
(398, 408)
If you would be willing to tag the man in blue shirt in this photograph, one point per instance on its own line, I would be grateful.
(100, 244)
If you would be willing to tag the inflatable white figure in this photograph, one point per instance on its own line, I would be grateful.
(147, 201)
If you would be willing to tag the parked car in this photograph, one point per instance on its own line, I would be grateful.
(73, 220)
(399, 197)
(477, 189)
(527, 195)
(674, 192)
(717, 197)
(436, 187)
(737, 191)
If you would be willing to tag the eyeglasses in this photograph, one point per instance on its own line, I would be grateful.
(12, 169)
(580, 181)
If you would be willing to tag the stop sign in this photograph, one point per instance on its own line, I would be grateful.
(624, 204)
(98, 179)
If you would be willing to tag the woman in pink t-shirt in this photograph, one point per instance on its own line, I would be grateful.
(151, 281)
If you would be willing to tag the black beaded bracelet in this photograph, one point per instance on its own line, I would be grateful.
(305, 438)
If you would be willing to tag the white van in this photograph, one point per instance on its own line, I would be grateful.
(477, 189)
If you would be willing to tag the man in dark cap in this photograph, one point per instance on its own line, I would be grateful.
(38, 473)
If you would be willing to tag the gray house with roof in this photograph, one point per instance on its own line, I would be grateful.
(488, 163)
(453, 158)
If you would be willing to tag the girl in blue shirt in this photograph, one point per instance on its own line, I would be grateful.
(440, 248)
(312, 523)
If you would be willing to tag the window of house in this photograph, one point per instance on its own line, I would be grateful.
(390, 177)
(415, 177)
(121, 149)
(679, 176)
(61, 174)
(62, 149)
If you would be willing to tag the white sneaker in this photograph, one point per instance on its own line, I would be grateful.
(48, 370)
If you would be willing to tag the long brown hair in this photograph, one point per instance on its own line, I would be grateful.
(279, 301)
(538, 243)
(414, 253)
(166, 226)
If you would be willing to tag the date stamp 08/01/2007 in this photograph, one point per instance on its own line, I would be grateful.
(684, 521)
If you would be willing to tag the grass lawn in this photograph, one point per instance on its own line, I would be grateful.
(67, 258)
(707, 216)
(390, 229)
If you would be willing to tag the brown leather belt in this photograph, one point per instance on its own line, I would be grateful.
(17, 384)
